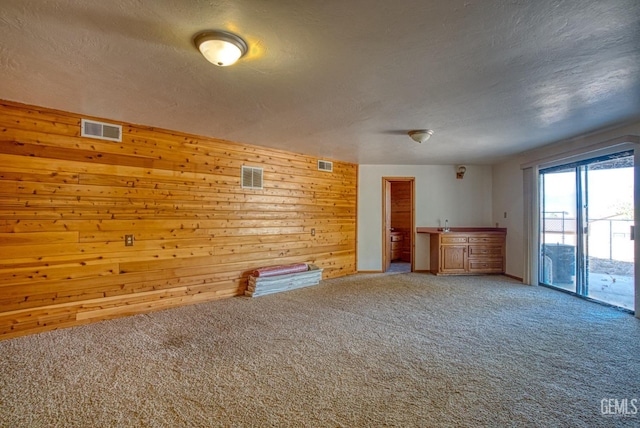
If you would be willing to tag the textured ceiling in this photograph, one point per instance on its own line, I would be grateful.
(341, 79)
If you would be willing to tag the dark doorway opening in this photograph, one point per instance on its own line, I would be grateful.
(398, 224)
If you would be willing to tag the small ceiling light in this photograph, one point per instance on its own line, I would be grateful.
(220, 47)
(420, 135)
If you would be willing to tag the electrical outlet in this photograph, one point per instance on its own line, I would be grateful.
(128, 240)
(313, 232)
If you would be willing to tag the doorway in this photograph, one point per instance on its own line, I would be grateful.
(398, 228)
(586, 228)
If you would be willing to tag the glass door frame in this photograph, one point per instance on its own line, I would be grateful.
(580, 169)
(589, 146)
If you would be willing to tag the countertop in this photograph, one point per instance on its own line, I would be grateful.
(435, 230)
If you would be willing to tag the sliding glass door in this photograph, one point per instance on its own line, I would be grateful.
(586, 222)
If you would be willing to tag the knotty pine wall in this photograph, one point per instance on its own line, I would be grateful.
(66, 203)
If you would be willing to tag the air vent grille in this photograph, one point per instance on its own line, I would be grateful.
(325, 166)
(251, 177)
(100, 130)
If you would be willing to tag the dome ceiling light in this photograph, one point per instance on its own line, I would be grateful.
(220, 47)
(420, 135)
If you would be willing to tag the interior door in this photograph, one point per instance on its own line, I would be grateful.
(387, 225)
(398, 215)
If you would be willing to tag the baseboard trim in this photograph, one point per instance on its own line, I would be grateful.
(369, 271)
(517, 278)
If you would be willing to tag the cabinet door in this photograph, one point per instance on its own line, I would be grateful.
(453, 258)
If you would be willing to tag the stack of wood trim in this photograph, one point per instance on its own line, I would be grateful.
(260, 285)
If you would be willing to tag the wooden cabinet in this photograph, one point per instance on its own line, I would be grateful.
(468, 252)
(397, 239)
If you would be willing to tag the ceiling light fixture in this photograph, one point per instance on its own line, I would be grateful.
(220, 47)
(420, 135)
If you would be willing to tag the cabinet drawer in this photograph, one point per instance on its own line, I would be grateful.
(486, 265)
(395, 237)
(396, 246)
(486, 239)
(454, 239)
(485, 251)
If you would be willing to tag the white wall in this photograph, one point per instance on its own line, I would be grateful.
(508, 198)
(438, 196)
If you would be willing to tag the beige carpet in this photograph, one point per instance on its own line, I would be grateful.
(369, 350)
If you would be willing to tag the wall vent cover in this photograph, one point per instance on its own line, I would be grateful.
(325, 166)
(251, 177)
(100, 130)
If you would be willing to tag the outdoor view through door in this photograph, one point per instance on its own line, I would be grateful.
(586, 222)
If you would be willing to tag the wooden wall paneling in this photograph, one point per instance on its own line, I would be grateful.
(66, 203)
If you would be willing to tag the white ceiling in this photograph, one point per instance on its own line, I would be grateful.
(341, 79)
